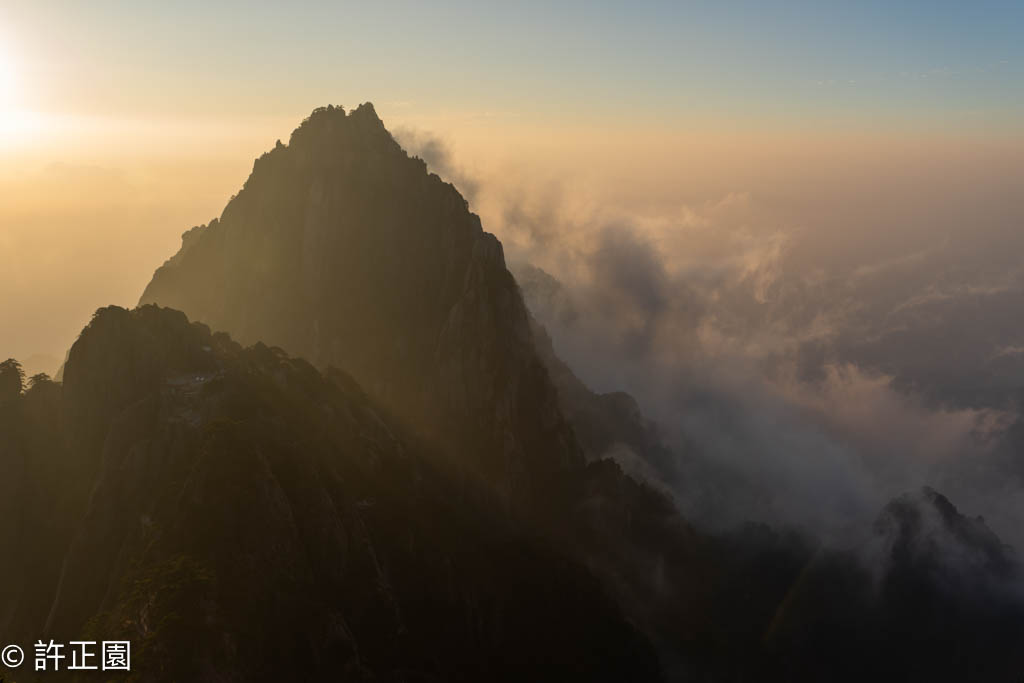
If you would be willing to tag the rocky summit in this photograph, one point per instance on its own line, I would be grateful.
(332, 443)
(343, 250)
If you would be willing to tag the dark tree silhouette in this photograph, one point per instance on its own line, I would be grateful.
(38, 379)
(12, 379)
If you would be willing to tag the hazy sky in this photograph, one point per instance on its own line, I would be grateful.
(932, 62)
(124, 123)
(792, 228)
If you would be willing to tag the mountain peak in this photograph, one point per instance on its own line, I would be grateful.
(367, 111)
(344, 250)
(330, 124)
(923, 528)
(363, 112)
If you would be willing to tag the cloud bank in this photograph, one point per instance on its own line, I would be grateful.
(808, 355)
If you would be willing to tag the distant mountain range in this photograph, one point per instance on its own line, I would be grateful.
(397, 479)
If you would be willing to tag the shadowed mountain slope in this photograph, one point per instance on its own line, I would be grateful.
(247, 518)
(345, 251)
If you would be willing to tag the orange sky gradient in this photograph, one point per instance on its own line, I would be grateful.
(121, 128)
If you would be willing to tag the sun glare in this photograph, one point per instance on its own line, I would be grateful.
(12, 119)
(7, 82)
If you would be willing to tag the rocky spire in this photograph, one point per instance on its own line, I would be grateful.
(344, 250)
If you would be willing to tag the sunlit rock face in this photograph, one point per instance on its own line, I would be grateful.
(342, 249)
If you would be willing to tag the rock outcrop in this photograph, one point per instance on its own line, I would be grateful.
(415, 487)
(248, 518)
(343, 250)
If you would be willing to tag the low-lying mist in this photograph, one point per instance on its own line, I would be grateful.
(811, 344)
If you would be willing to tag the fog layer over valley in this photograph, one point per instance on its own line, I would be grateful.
(811, 342)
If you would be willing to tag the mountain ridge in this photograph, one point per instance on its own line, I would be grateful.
(249, 518)
(440, 334)
(348, 252)
(441, 507)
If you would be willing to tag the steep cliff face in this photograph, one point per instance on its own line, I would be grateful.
(343, 250)
(251, 519)
(606, 425)
(43, 488)
(346, 252)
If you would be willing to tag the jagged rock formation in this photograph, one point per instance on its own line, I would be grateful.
(603, 422)
(345, 251)
(934, 595)
(606, 425)
(428, 513)
(250, 519)
(919, 529)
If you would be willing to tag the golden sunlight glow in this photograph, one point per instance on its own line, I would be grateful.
(14, 121)
(8, 82)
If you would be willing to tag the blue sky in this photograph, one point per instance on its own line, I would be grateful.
(954, 63)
